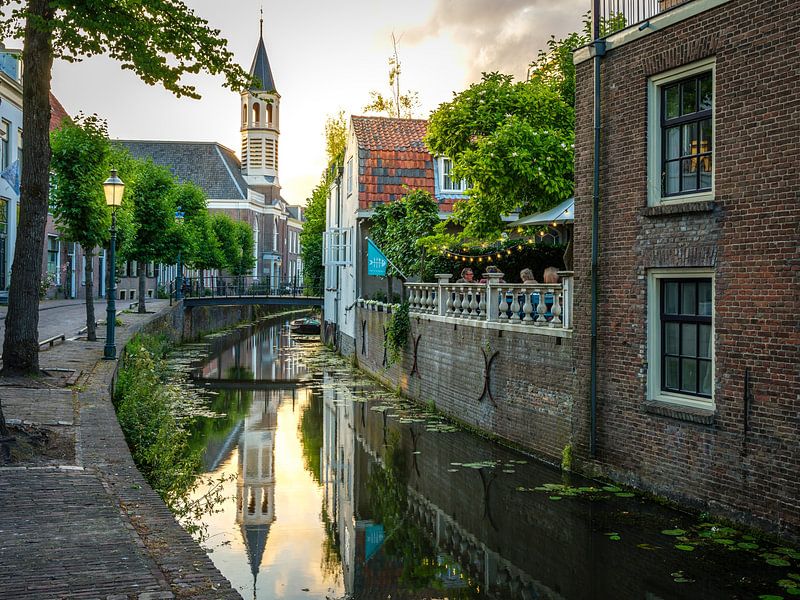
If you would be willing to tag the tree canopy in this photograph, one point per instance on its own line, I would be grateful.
(397, 226)
(160, 40)
(513, 142)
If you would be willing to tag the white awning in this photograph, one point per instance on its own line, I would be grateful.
(561, 214)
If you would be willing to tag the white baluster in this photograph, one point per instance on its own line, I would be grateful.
(450, 293)
(473, 305)
(541, 309)
(527, 308)
(556, 310)
(515, 306)
(457, 297)
(482, 304)
(503, 305)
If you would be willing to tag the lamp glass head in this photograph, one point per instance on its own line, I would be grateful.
(113, 188)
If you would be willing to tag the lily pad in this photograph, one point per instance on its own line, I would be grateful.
(509, 471)
(724, 541)
(770, 597)
(778, 562)
(684, 547)
(748, 545)
(611, 488)
(793, 576)
(675, 532)
(793, 591)
(625, 495)
(646, 547)
(555, 497)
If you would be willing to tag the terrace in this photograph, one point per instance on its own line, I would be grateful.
(620, 14)
(542, 308)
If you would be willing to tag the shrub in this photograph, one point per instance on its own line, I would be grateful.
(397, 333)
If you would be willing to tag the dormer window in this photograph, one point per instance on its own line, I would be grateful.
(449, 182)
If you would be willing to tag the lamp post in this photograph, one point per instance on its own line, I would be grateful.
(113, 188)
(179, 214)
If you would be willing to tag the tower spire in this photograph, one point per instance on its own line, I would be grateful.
(261, 23)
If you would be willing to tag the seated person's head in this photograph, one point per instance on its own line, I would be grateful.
(467, 274)
(526, 275)
(492, 269)
(550, 275)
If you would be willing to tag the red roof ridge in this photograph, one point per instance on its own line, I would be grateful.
(57, 112)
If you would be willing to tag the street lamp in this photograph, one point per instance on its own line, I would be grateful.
(113, 188)
(179, 214)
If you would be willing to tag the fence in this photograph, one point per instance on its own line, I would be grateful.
(495, 304)
(618, 14)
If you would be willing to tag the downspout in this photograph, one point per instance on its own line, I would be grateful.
(599, 52)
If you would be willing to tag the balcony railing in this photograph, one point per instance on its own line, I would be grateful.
(619, 14)
(495, 304)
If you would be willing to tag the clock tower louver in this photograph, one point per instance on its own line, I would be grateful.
(260, 128)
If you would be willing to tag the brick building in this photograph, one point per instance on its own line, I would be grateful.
(383, 156)
(698, 346)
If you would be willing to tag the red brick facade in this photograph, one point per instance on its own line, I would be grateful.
(742, 459)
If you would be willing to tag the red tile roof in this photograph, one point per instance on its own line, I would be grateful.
(57, 113)
(392, 156)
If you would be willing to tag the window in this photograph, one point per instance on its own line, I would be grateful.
(337, 244)
(350, 176)
(449, 183)
(681, 336)
(54, 258)
(19, 148)
(256, 114)
(681, 136)
(5, 148)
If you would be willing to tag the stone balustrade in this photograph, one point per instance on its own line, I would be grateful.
(537, 306)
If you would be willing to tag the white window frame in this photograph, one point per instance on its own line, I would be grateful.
(462, 184)
(654, 391)
(654, 145)
(350, 176)
(338, 244)
(57, 274)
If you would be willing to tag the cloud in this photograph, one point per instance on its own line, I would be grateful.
(500, 35)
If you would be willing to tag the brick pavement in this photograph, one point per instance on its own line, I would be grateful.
(93, 528)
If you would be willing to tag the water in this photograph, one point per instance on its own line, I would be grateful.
(335, 488)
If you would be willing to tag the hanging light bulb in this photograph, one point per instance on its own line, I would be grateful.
(519, 247)
(519, 229)
(530, 241)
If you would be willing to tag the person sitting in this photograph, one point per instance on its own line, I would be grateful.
(491, 269)
(467, 276)
(550, 275)
(526, 275)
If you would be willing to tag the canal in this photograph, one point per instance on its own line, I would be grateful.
(330, 486)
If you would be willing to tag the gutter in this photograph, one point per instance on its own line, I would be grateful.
(599, 51)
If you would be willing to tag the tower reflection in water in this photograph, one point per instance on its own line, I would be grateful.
(269, 539)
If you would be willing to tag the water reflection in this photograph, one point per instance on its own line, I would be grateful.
(340, 490)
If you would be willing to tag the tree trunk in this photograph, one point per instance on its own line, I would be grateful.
(21, 344)
(142, 286)
(91, 334)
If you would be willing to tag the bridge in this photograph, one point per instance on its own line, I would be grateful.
(238, 291)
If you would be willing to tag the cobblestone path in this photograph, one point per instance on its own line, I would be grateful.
(92, 528)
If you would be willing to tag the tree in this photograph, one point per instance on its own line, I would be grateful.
(160, 40)
(513, 142)
(397, 105)
(195, 239)
(311, 237)
(232, 236)
(150, 234)
(396, 228)
(246, 246)
(81, 152)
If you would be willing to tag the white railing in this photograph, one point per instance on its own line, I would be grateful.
(534, 305)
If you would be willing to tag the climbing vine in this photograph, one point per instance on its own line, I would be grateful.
(397, 333)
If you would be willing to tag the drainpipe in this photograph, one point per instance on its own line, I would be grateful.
(599, 52)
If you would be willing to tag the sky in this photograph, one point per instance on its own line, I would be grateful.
(325, 57)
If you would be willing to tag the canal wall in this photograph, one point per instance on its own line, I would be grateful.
(518, 386)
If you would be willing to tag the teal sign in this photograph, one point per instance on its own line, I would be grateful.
(374, 538)
(376, 261)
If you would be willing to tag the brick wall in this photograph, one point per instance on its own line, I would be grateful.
(748, 235)
(531, 377)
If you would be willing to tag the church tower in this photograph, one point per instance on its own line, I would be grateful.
(261, 125)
